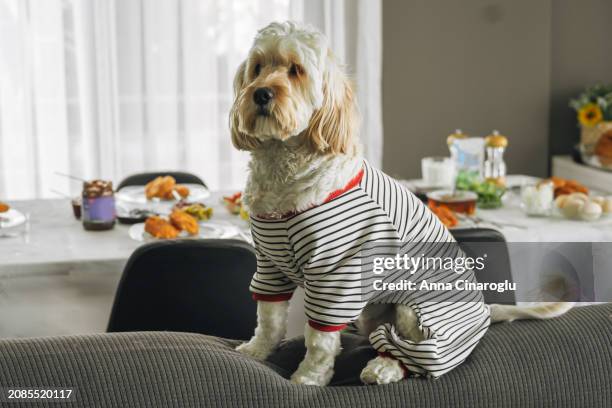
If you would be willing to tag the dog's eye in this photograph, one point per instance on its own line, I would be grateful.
(295, 70)
(257, 69)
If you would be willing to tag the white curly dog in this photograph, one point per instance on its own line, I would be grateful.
(295, 111)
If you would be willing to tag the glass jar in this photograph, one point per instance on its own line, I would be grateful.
(467, 154)
(98, 205)
(537, 198)
(438, 172)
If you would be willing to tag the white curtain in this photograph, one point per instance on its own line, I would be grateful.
(106, 88)
(354, 28)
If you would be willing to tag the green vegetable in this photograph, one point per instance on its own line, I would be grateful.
(489, 193)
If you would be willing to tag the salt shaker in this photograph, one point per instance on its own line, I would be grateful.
(494, 165)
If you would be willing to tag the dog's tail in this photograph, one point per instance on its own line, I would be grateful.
(508, 313)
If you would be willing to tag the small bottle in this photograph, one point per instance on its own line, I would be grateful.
(494, 165)
(98, 205)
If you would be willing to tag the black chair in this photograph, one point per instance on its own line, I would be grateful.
(198, 286)
(480, 241)
(141, 179)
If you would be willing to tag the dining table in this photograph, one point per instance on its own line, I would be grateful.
(58, 278)
(52, 240)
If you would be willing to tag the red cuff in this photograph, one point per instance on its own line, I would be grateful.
(279, 297)
(325, 327)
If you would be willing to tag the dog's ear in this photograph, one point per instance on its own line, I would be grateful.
(240, 140)
(333, 127)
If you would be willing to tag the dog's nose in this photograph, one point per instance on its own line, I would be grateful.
(262, 96)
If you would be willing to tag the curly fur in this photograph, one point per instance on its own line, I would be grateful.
(304, 145)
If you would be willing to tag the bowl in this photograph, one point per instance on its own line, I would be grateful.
(463, 202)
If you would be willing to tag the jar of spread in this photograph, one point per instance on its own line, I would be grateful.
(98, 205)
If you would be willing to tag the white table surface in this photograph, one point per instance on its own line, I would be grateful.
(544, 229)
(54, 239)
(522, 228)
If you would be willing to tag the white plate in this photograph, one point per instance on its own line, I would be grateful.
(11, 218)
(136, 195)
(208, 230)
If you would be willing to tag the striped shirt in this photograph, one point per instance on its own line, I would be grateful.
(323, 250)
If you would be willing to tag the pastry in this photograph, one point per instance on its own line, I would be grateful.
(160, 187)
(163, 187)
(572, 207)
(184, 222)
(563, 186)
(560, 201)
(183, 191)
(607, 206)
(590, 211)
(4, 207)
(160, 228)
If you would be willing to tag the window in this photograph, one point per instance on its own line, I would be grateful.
(103, 89)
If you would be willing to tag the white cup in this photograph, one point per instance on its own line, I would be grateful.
(438, 171)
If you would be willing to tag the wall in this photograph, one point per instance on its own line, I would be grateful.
(472, 64)
(581, 56)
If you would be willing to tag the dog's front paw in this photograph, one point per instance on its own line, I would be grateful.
(382, 370)
(254, 349)
(312, 377)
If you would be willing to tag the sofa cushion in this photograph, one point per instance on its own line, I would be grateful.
(560, 362)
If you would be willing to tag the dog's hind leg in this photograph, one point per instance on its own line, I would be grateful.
(386, 369)
(374, 315)
(407, 323)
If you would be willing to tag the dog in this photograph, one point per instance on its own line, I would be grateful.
(315, 203)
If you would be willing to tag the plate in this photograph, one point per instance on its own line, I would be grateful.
(11, 218)
(208, 230)
(136, 195)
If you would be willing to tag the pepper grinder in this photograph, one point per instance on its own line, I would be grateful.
(494, 165)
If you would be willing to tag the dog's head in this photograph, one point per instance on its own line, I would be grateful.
(291, 85)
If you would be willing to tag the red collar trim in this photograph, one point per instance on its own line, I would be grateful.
(354, 181)
(334, 194)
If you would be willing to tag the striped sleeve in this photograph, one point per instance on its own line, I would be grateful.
(335, 299)
(269, 283)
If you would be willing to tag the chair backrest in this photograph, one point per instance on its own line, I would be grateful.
(141, 179)
(480, 241)
(198, 286)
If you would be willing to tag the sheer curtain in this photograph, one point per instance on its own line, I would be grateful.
(105, 88)
(354, 28)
